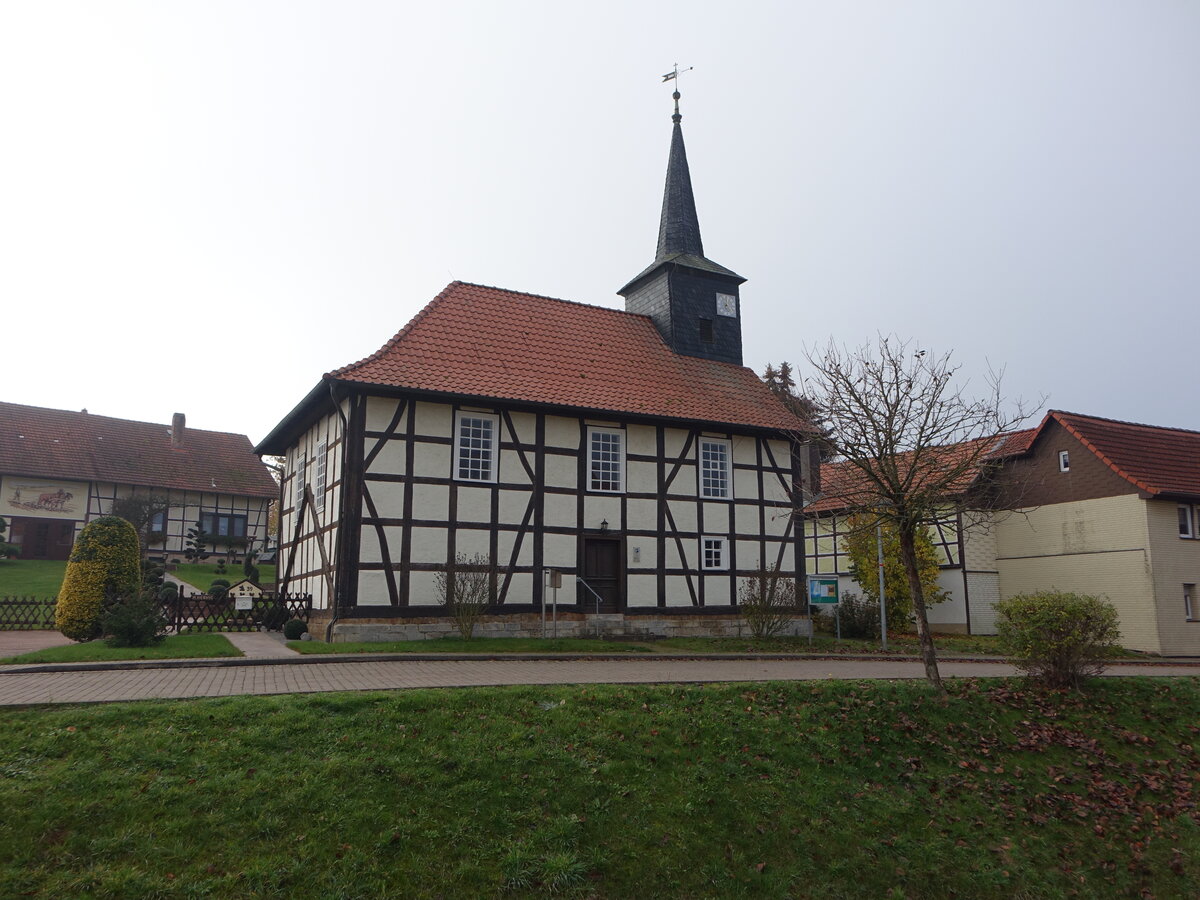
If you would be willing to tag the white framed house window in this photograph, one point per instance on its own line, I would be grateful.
(1186, 527)
(1189, 602)
(714, 553)
(716, 477)
(319, 487)
(606, 460)
(1064, 461)
(298, 493)
(475, 447)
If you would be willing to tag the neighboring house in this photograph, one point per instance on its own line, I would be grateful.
(628, 450)
(61, 469)
(1081, 504)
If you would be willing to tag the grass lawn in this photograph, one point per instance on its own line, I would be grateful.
(901, 644)
(178, 646)
(202, 576)
(31, 577)
(476, 645)
(818, 789)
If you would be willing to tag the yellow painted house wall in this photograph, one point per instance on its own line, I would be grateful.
(1175, 562)
(1099, 546)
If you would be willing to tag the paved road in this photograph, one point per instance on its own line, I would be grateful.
(216, 681)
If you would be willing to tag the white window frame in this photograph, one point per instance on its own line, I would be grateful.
(1187, 519)
(298, 485)
(722, 545)
(493, 448)
(727, 472)
(319, 486)
(1189, 602)
(594, 463)
(1064, 460)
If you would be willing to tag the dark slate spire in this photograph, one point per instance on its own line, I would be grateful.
(679, 227)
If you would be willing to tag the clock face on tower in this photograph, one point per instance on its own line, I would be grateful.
(727, 305)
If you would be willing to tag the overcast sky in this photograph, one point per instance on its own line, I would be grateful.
(204, 206)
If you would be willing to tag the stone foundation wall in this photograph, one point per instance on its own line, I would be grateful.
(530, 625)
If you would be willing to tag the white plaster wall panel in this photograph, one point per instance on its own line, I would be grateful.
(474, 542)
(642, 440)
(716, 518)
(1085, 526)
(685, 479)
(513, 505)
(671, 558)
(684, 514)
(390, 460)
(774, 490)
(428, 545)
(505, 541)
(716, 591)
(474, 504)
(745, 450)
(525, 425)
(434, 419)
(431, 502)
(422, 589)
(646, 551)
(369, 550)
(560, 510)
(511, 470)
(561, 471)
(745, 484)
(954, 610)
(781, 451)
(747, 519)
(600, 507)
(520, 588)
(1176, 562)
(641, 478)
(643, 514)
(388, 497)
(373, 589)
(379, 414)
(677, 592)
(432, 460)
(641, 590)
(773, 549)
(558, 551)
(561, 432)
(1122, 577)
(983, 591)
(776, 521)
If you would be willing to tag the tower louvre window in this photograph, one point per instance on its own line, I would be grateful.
(706, 331)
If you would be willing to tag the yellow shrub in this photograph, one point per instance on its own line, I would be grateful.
(104, 566)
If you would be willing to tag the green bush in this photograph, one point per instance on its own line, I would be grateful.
(1056, 637)
(104, 568)
(136, 622)
(219, 588)
(293, 628)
(860, 616)
(768, 601)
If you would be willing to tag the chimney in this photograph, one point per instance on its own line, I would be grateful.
(177, 421)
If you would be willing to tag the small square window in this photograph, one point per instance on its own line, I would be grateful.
(606, 463)
(475, 447)
(714, 553)
(1189, 602)
(714, 469)
(1064, 461)
(1185, 521)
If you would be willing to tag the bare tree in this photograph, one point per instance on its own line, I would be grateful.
(140, 510)
(914, 439)
(466, 587)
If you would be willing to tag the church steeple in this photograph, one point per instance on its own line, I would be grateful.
(693, 301)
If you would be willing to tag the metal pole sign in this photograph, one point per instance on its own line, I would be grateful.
(822, 590)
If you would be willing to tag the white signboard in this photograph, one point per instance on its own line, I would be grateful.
(246, 603)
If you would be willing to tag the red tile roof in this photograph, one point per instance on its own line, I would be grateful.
(844, 485)
(58, 443)
(488, 342)
(1156, 460)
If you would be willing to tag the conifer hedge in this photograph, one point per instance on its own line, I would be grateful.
(105, 565)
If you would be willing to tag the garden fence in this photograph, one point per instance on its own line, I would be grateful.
(26, 613)
(197, 612)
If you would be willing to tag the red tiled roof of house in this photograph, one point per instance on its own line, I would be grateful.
(1156, 460)
(58, 443)
(844, 485)
(488, 342)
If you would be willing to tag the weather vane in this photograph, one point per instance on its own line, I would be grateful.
(673, 75)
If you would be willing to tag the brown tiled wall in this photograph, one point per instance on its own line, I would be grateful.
(1036, 481)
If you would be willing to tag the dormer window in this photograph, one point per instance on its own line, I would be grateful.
(1064, 461)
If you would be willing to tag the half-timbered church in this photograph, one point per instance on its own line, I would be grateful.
(630, 451)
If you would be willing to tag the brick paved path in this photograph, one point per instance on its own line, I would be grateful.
(214, 681)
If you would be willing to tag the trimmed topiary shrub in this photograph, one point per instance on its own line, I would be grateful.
(293, 628)
(219, 588)
(1056, 637)
(104, 567)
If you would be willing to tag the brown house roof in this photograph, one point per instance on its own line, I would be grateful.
(1156, 460)
(58, 443)
(844, 485)
(492, 343)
